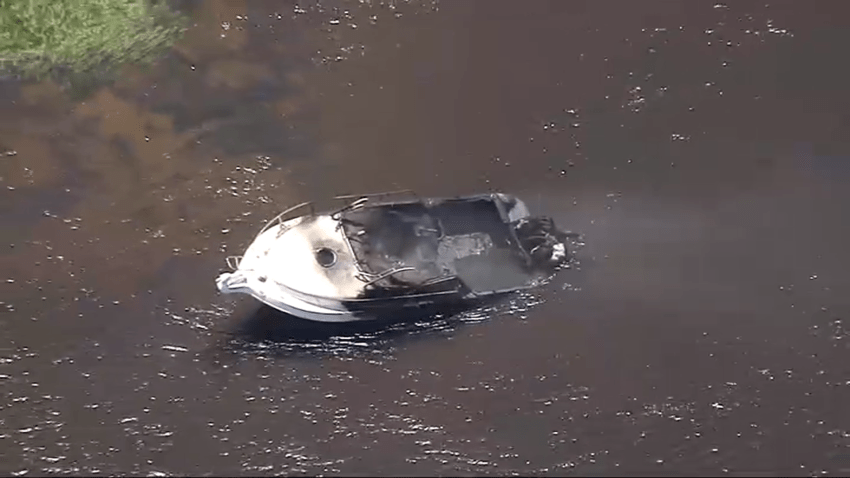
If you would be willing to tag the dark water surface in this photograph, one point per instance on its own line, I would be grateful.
(701, 148)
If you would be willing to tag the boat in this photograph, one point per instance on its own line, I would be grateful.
(377, 255)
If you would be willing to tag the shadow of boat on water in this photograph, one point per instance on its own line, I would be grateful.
(268, 331)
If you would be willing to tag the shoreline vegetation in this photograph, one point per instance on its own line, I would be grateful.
(40, 38)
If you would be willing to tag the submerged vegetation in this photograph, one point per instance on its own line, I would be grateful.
(38, 37)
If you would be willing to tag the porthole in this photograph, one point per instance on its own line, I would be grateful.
(325, 257)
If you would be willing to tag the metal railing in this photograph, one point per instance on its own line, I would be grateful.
(279, 217)
(360, 200)
(233, 262)
(371, 195)
(388, 273)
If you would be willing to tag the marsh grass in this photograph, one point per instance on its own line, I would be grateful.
(78, 37)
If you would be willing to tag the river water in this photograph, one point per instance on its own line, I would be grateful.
(701, 148)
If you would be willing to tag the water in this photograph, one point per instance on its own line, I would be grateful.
(700, 148)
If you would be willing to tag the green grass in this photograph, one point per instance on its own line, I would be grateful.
(37, 36)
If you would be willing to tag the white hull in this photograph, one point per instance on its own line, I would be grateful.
(240, 282)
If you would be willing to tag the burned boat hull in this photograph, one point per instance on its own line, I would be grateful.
(371, 260)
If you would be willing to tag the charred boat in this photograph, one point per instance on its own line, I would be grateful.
(375, 257)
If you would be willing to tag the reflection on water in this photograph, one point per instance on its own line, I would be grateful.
(697, 147)
(267, 330)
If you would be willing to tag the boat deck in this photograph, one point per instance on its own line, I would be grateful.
(465, 239)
